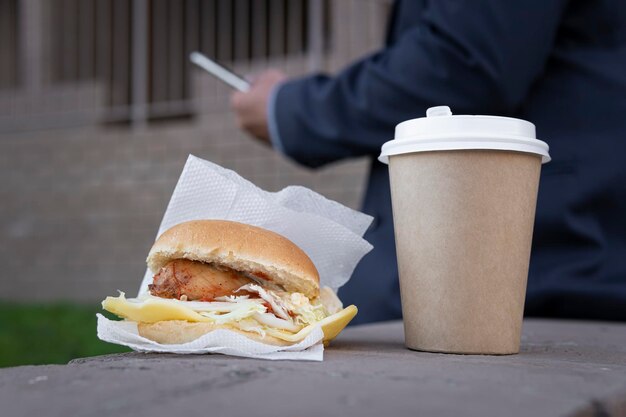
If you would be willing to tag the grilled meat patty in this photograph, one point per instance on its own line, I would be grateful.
(196, 280)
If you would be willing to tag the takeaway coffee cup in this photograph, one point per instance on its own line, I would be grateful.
(464, 191)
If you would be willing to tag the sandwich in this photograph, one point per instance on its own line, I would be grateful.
(217, 274)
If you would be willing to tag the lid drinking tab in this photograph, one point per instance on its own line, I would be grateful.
(438, 111)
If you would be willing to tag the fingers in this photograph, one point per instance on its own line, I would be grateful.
(250, 108)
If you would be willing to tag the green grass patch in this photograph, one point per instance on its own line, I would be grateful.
(35, 334)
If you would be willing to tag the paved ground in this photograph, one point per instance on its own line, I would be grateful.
(565, 368)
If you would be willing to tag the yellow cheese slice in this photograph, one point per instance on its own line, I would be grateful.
(331, 326)
(153, 310)
(150, 310)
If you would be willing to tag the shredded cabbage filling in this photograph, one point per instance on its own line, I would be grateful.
(272, 310)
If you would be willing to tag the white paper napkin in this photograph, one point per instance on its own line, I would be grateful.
(218, 341)
(329, 233)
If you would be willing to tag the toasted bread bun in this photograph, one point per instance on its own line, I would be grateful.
(174, 332)
(268, 256)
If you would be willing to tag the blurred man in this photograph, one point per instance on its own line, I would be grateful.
(560, 64)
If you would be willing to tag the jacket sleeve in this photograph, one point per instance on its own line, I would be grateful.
(476, 56)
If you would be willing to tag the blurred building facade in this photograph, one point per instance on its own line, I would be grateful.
(99, 109)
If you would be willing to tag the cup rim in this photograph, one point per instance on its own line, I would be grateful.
(477, 142)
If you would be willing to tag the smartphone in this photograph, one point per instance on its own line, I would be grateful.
(235, 81)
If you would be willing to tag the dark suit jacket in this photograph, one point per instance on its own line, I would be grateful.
(559, 64)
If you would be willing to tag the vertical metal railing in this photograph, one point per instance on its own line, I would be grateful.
(30, 45)
(316, 34)
(139, 97)
(8, 44)
(79, 61)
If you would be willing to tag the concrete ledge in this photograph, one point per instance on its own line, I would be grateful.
(565, 368)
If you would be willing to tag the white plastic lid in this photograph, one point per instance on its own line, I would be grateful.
(441, 131)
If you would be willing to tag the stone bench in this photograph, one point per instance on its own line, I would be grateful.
(565, 368)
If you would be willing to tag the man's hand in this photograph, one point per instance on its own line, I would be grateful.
(251, 107)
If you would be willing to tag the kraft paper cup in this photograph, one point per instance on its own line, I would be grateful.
(463, 222)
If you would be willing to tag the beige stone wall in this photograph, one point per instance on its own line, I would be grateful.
(81, 206)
